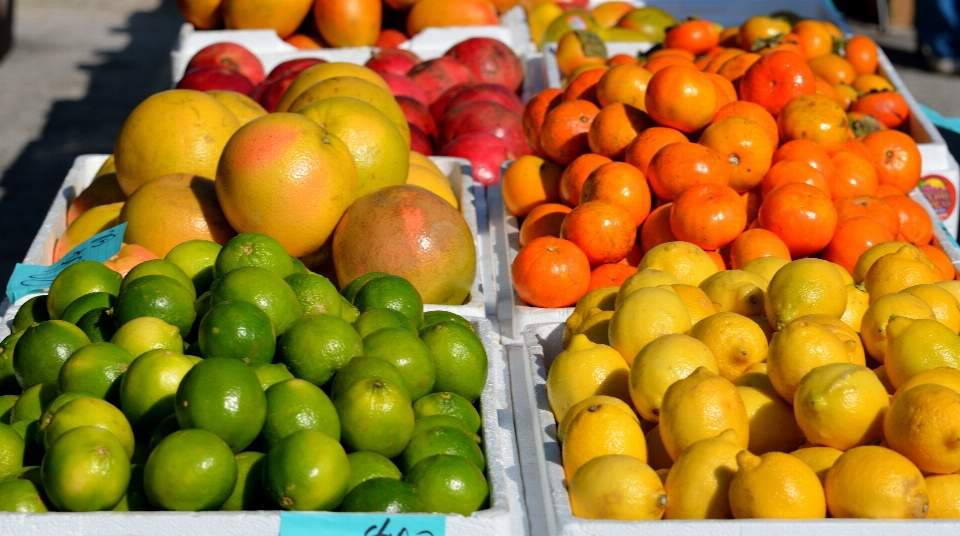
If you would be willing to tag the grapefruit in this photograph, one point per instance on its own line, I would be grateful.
(243, 107)
(319, 73)
(91, 222)
(283, 175)
(412, 233)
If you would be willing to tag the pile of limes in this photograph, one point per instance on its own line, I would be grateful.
(235, 379)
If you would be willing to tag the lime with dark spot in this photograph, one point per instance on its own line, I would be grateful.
(98, 324)
(253, 249)
(237, 330)
(84, 304)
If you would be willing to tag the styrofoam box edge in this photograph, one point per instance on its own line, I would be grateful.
(271, 50)
(541, 344)
(470, 193)
(506, 514)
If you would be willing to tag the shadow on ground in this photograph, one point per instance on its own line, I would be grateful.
(118, 82)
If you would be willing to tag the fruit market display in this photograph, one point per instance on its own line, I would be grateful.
(312, 24)
(233, 378)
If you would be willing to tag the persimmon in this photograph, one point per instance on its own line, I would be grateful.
(577, 48)
(708, 215)
(802, 216)
(668, 51)
(861, 52)
(734, 68)
(752, 199)
(865, 83)
(814, 37)
(528, 182)
(814, 155)
(787, 42)
(726, 93)
(696, 36)
(824, 88)
(916, 226)
(621, 59)
(534, 114)
(717, 61)
(656, 229)
(584, 86)
(564, 135)
(794, 171)
(817, 118)
(677, 166)
(833, 68)
(603, 230)
(945, 269)
(776, 79)
(756, 243)
(615, 127)
(853, 175)
(642, 149)
(681, 97)
(624, 83)
(852, 237)
(745, 147)
(634, 257)
(753, 112)
(610, 275)
(575, 174)
(888, 106)
(845, 95)
(896, 158)
(883, 190)
(659, 63)
(760, 28)
(852, 145)
(543, 220)
(550, 272)
(622, 184)
(871, 207)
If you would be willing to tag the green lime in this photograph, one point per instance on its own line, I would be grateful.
(190, 471)
(157, 296)
(159, 267)
(262, 288)
(366, 367)
(203, 304)
(452, 404)
(78, 280)
(298, 266)
(95, 369)
(148, 389)
(89, 411)
(348, 312)
(12, 448)
(21, 496)
(51, 409)
(350, 291)
(165, 427)
(375, 416)
(316, 347)
(85, 470)
(405, 350)
(193, 349)
(33, 402)
(29, 472)
(98, 324)
(441, 440)
(368, 465)
(391, 292)
(248, 493)
(460, 358)
(238, 330)
(383, 495)
(27, 430)
(196, 258)
(43, 348)
(141, 451)
(435, 317)
(449, 484)
(135, 499)
(32, 311)
(316, 294)
(377, 319)
(6, 405)
(223, 396)
(432, 421)
(8, 377)
(253, 249)
(307, 470)
(298, 405)
(147, 333)
(84, 304)
(270, 374)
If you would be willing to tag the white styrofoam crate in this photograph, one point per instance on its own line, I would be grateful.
(271, 50)
(506, 514)
(536, 435)
(470, 193)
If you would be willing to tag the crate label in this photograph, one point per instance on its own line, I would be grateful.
(340, 524)
(941, 194)
(31, 278)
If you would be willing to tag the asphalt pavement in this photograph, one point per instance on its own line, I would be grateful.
(78, 67)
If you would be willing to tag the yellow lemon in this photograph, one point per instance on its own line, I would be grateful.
(699, 481)
(645, 278)
(645, 315)
(617, 487)
(685, 261)
(593, 400)
(775, 485)
(850, 338)
(945, 376)
(603, 298)
(765, 267)
(583, 370)
(772, 424)
(873, 330)
(700, 406)
(820, 459)
(896, 271)
(764, 325)
(796, 350)
(657, 455)
(945, 306)
(736, 341)
(423, 161)
(924, 425)
(698, 303)
(802, 287)
(841, 405)
(919, 345)
(944, 494)
(847, 278)
(870, 256)
(953, 287)
(857, 303)
(598, 430)
(875, 483)
(660, 364)
(736, 291)
(881, 373)
(596, 326)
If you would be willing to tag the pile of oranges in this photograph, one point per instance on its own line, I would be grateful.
(746, 142)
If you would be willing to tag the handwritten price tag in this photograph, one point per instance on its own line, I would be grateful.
(30, 278)
(337, 524)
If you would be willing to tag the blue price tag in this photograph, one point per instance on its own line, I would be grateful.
(339, 524)
(30, 278)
